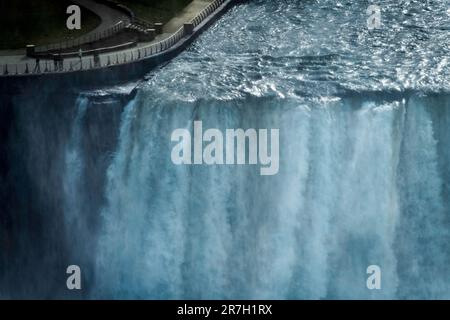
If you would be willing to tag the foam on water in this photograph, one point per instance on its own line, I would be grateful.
(364, 161)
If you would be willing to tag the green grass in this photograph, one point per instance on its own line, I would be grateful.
(39, 22)
(155, 10)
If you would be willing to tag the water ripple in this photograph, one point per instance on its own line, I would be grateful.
(314, 48)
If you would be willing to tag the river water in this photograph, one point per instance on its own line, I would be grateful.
(364, 172)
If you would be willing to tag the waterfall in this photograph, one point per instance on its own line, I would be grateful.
(74, 166)
(358, 185)
(364, 165)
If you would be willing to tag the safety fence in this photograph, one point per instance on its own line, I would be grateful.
(213, 6)
(108, 59)
(89, 38)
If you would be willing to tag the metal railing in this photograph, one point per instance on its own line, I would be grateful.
(213, 6)
(89, 38)
(109, 59)
(143, 23)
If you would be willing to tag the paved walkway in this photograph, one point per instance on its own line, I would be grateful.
(109, 17)
(187, 14)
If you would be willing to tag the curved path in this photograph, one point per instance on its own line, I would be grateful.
(20, 63)
(109, 16)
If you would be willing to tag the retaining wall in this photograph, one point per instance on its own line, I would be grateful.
(115, 73)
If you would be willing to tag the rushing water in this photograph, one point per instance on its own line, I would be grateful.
(364, 179)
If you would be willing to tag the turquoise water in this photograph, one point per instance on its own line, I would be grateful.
(364, 172)
(364, 162)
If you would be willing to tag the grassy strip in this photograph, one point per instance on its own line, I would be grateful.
(39, 22)
(155, 10)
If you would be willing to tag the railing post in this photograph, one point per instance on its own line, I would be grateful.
(158, 28)
(31, 50)
(147, 36)
(188, 28)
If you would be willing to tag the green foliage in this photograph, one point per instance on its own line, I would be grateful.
(155, 10)
(39, 22)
